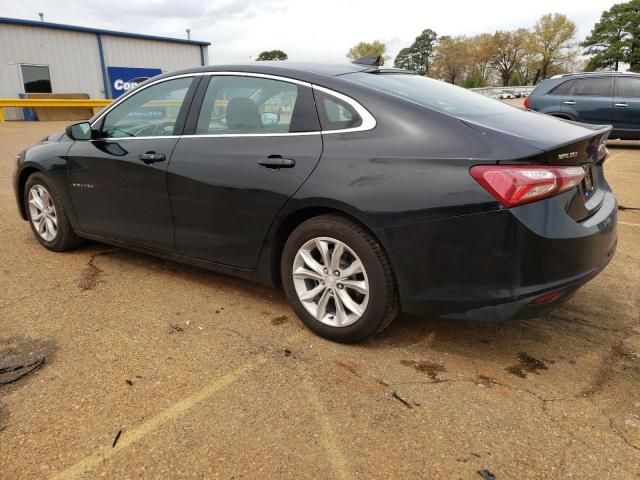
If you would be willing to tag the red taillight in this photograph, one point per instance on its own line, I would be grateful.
(526, 103)
(515, 185)
(547, 297)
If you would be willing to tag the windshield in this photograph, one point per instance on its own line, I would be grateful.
(431, 93)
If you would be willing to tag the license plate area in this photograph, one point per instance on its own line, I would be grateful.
(589, 185)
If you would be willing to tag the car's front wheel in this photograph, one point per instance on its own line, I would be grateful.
(338, 279)
(47, 216)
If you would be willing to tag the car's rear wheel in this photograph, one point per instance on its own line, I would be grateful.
(338, 279)
(47, 216)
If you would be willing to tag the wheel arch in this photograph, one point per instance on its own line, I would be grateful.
(23, 176)
(292, 219)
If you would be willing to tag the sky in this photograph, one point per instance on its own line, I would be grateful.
(320, 31)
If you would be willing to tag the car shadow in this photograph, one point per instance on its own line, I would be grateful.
(571, 331)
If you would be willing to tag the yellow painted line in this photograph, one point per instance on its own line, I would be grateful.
(613, 157)
(329, 439)
(129, 437)
(629, 223)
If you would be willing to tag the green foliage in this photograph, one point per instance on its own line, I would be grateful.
(551, 41)
(615, 38)
(271, 55)
(417, 57)
(474, 80)
(363, 49)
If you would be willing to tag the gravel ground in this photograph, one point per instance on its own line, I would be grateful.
(154, 369)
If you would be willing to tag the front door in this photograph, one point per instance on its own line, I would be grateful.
(249, 144)
(118, 181)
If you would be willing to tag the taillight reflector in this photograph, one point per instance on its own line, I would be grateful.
(547, 297)
(514, 185)
(526, 103)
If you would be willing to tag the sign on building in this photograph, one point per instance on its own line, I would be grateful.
(123, 79)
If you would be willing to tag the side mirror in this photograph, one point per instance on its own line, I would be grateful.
(79, 131)
(270, 118)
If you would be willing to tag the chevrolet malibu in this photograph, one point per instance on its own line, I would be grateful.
(361, 190)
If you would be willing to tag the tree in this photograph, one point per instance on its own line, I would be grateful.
(615, 38)
(508, 52)
(271, 55)
(551, 41)
(417, 57)
(406, 59)
(481, 50)
(363, 49)
(451, 59)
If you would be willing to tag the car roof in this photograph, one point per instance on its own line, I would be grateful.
(309, 72)
(587, 74)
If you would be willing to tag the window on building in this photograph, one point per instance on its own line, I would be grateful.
(36, 78)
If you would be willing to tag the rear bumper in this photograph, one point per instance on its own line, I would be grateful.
(490, 266)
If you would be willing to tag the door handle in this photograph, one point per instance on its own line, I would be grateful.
(277, 161)
(569, 102)
(152, 157)
(621, 105)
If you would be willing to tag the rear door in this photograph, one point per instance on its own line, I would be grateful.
(250, 142)
(626, 106)
(590, 100)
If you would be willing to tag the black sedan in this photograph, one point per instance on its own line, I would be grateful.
(363, 191)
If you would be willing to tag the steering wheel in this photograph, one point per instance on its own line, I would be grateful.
(163, 129)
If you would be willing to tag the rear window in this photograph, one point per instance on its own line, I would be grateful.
(431, 93)
(563, 88)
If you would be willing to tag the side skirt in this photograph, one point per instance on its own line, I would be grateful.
(251, 275)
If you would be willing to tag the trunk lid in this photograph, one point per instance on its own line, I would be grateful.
(561, 142)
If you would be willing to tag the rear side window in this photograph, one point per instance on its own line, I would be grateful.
(336, 114)
(593, 87)
(563, 88)
(253, 105)
(628, 87)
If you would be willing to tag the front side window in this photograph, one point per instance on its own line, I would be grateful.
(628, 87)
(152, 112)
(237, 105)
(593, 87)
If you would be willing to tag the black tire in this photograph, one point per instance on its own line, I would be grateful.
(65, 238)
(382, 305)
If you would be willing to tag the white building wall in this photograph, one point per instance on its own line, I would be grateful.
(134, 52)
(72, 57)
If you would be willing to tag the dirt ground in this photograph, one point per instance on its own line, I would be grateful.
(154, 369)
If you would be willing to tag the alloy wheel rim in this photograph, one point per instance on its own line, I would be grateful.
(331, 282)
(42, 212)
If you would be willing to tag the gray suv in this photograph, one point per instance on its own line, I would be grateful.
(611, 98)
